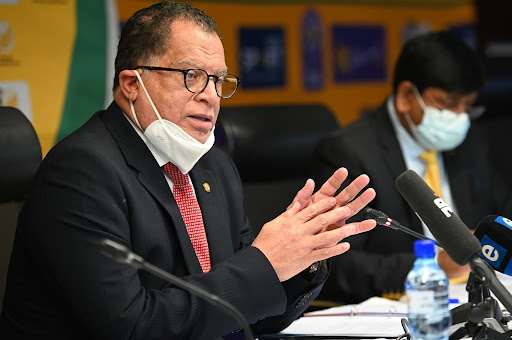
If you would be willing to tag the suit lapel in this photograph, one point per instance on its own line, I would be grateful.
(393, 157)
(151, 176)
(386, 137)
(208, 192)
(460, 184)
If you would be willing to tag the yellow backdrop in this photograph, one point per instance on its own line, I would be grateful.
(56, 57)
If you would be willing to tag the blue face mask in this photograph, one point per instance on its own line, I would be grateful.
(439, 130)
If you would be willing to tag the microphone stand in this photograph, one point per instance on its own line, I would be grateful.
(121, 254)
(482, 314)
(488, 277)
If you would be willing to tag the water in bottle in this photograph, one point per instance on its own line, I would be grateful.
(426, 288)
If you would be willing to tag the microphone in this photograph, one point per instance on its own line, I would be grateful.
(495, 235)
(121, 254)
(451, 233)
(384, 220)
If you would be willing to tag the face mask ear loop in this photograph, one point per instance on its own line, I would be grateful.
(414, 131)
(135, 116)
(418, 97)
(147, 94)
(411, 124)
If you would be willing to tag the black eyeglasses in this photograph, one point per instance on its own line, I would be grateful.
(196, 80)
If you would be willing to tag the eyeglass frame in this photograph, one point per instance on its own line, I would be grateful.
(185, 71)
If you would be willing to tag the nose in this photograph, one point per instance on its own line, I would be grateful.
(209, 93)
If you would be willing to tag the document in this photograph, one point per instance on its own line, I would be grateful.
(374, 318)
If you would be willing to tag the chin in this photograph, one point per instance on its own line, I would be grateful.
(202, 137)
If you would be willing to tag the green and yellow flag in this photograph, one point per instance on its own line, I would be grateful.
(56, 61)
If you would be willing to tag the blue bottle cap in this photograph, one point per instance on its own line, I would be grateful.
(425, 248)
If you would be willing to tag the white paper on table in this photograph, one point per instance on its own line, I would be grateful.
(375, 317)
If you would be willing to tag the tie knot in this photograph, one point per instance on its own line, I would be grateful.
(429, 157)
(176, 176)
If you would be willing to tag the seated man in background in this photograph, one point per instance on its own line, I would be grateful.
(436, 82)
(124, 176)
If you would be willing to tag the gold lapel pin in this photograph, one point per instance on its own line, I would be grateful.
(206, 187)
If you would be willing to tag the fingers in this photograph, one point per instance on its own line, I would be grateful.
(325, 253)
(362, 201)
(328, 243)
(304, 215)
(331, 237)
(364, 226)
(354, 188)
(292, 209)
(318, 217)
(334, 182)
(348, 195)
(345, 198)
(319, 214)
(292, 241)
(304, 195)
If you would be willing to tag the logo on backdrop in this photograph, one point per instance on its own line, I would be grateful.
(358, 53)
(6, 37)
(262, 57)
(16, 94)
(312, 51)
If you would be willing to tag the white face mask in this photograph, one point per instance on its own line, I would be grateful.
(439, 130)
(168, 138)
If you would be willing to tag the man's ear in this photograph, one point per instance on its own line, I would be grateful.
(403, 96)
(128, 84)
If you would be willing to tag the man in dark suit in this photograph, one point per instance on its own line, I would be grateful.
(143, 173)
(436, 81)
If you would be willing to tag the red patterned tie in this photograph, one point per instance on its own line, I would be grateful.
(191, 213)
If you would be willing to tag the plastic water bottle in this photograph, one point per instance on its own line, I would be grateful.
(426, 288)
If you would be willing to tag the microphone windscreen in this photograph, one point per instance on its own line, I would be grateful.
(495, 235)
(450, 232)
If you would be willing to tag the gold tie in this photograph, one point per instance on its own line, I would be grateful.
(432, 177)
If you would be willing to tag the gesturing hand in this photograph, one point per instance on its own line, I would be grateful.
(305, 196)
(313, 225)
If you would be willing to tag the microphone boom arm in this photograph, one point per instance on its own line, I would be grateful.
(488, 276)
(120, 253)
(383, 220)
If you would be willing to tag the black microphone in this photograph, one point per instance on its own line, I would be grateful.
(495, 235)
(451, 233)
(121, 254)
(384, 220)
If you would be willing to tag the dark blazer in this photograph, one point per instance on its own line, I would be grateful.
(103, 182)
(379, 260)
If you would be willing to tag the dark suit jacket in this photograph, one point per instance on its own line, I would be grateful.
(103, 182)
(379, 260)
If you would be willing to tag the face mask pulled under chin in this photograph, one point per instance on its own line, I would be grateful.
(439, 130)
(171, 141)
